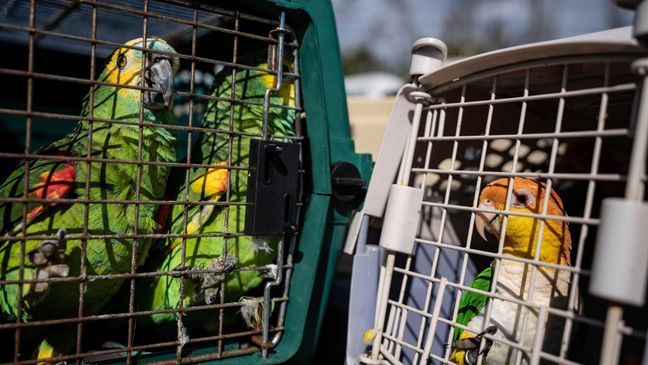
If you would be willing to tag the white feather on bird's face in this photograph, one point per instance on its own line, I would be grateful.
(485, 221)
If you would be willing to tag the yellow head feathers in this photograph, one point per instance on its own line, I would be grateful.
(124, 67)
(125, 64)
(522, 232)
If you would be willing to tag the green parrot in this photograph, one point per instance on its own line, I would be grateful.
(220, 151)
(60, 257)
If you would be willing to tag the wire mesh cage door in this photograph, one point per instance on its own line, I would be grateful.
(513, 163)
(124, 222)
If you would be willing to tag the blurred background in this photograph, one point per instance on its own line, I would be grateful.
(376, 36)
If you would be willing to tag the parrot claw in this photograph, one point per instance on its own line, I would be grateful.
(209, 281)
(222, 266)
(471, 345)
(48, 260)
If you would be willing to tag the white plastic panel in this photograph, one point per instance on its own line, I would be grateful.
(390, 153)
(620, 267)
(616, 41)
(401, 219)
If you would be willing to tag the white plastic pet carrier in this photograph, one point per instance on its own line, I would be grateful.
(569, 115)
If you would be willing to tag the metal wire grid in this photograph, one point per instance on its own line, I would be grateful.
(460, 124)
(282, 39)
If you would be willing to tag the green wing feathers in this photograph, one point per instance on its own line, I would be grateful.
(472, 303)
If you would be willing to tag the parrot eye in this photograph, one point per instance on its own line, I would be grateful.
(122, 61)
(522, 198)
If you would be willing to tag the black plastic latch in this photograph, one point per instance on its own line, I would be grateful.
(347, 182)
(273, 184)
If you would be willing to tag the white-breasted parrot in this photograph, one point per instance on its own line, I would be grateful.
(551, 287)
(60, 257)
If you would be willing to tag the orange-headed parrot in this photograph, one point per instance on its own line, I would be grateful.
(551, 286)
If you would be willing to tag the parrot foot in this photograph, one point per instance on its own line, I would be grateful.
(471, 345)
(48, 260)
(209, 281)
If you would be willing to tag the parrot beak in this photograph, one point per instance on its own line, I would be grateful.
(159, 75)
(486, 222)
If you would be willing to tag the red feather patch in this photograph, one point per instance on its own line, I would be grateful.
(53, 185)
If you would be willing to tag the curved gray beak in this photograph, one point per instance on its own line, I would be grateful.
(159, 75)
(487, 222)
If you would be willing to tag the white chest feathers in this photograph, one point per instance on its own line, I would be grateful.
(518, 323)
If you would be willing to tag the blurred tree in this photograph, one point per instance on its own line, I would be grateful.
(458, 29)
(388, 29)
(361, 60)
(540, 25)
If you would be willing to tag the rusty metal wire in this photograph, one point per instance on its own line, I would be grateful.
(273, 325)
